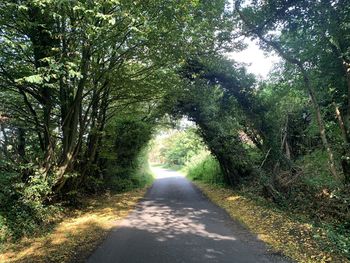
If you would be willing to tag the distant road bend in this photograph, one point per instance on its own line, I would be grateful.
(176, 223)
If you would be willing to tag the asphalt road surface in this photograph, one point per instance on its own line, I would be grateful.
(176, 223)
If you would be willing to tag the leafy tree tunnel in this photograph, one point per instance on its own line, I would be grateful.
(84, 85)
(219, 98)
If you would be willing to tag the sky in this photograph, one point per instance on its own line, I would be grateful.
(257, 61)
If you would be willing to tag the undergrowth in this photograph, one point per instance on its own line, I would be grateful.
(24, 212)
(205, 168)
(76, 233)
(309, 198)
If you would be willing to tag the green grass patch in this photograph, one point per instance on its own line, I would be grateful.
(204, 168)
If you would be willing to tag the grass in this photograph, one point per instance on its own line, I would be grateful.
(73, 239)
(298, 240)
(204, 168)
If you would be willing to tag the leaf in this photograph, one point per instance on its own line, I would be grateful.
(34, 79)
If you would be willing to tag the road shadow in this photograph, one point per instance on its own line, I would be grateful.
(175, 222)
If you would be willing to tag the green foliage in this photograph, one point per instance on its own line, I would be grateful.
(219, 99)
(139, 175)
(22, 211)
(84, 85)
(130, 137)
(205, 168)
(180, 147)
(70, 69)
(125, 155)
(340, 236)
(185, 149)
(315, 170)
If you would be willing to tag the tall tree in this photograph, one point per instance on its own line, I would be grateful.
(290, 29)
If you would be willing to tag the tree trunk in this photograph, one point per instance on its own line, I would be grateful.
(41, 34)
(290, 59)
(5, 142)
(21, 147)
(320, 122)
(345, 162)
(70, 124)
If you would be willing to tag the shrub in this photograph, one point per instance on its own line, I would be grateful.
(180, 147)
(22, 210)
(204, 167)
(316, 172)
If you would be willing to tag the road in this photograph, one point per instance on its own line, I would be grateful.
(176, 223)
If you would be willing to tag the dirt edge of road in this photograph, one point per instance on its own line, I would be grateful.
(78, 234)
(297, 240)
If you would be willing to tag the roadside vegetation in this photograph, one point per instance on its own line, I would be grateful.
(74, 233)
(296, 221)
(86, 85)
(288, 234)
(82, 89)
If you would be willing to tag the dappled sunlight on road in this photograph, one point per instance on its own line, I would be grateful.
(170, 221)
(171, 217)
(175, 223)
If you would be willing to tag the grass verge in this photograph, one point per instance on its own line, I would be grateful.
(73, 239)
(297, 240)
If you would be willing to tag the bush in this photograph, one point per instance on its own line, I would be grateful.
(316, 172)
(204, 167)
(121, 179)
(180, 147)
(22, 211)
(133, 179)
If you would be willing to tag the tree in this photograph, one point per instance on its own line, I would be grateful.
(295, 22)
(66, 68)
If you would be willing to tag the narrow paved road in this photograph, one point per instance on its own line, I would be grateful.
(176, 223)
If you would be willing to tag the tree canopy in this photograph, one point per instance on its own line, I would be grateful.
(85, 85)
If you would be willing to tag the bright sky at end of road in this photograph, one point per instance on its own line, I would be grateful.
(257, 62)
